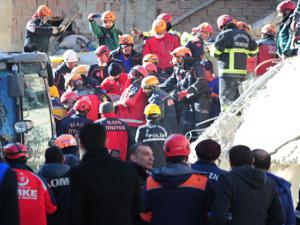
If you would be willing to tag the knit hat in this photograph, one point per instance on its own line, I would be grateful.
(114, 69)
(208, 149)
(106, 107)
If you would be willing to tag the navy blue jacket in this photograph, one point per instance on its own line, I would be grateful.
(133, 60)
(59, 77)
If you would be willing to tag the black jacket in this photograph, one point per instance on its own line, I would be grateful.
(104, 191)
(59, 77)
(9, 207)
(250, 196)
(58, 177)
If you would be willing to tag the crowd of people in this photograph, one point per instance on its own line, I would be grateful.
(127, 117)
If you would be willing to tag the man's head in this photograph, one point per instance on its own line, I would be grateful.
(115, 70)
(150, 58)
(54, 155)
(82, 106)
(152, 112)
(268, 30)
(67, 143)
(167, 17)
(208, 150)
(92, 137)
(43, 12)
(285, 8)
(240, 155)
(102, 53)
(106, 108)
(177, 148)
(262, 159)
(205, 30)
(68, 99)
(126, 44)
(70, 58)
(226, 21)
(159, 27)
(179, 54)
(149, 84)
(15, 152)
(108, 18)
(141, 155)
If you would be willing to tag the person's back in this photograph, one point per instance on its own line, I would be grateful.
(104, 190)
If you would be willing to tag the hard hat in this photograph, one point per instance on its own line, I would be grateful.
(150, 67)
(149, 82)
(181, 51)
(243, 26)
(65, 140)
(44, 10)
(286, 5)
(82, 105)
(138, 71)
(68, 96)
(70, 56)
(167, 17)
(150, 58)
(78, 71)
(205, 27)
(152, 109)
(269, 29)
(108, 15)
(15, 151)
(176, 145)
(102, 49)
(224, 20)
(53, 91)
(159, 26)
(125, 39)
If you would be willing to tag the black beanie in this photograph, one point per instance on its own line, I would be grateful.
(208, 149)
(106, 107)
(114, 69)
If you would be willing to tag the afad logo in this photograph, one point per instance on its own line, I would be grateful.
(22, 180)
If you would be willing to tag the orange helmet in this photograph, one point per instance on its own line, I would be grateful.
(159, 26)
(176, 145)
(102, 49)
(65, 140)
(269, 29)
(149, 82)
(150, 58)
(167, 17)
(205, 27)
(181, 51)
(243, 26)
(125, 39)
(150, 67)
(78, 71)
(108, 15)
(82, 105)
(15, 151)
(44, 10)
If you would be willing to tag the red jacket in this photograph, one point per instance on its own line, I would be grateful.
(251, 64)
(34, 199)
(162, 48)
(132, 104)
(114, 86)
(267, 50)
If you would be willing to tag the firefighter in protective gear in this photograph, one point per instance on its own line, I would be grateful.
(267, 49)
(161, 44)
(284, 40)
(232, 48)
(70, 61)
(155, 95)
(68, 99)
(153, 134)
(189, 89)
(33, 195)
(175, 186)
(125, 53)
(107, 34)
(205, 31)
(118, 138)
(150, 58)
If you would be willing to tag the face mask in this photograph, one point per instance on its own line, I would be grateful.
(159, 36)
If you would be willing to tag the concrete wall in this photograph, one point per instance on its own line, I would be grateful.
(6, 23)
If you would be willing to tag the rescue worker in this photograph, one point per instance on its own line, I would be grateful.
(267, 48)
(99, 71)
(72, 124)
(206, 30)
(125, 53)
(118, 138)
(56, 173)
(196, 45)
(284, 40)
(150, 58)
(68, 99)
(133, 101)
(70, 61)
(232, 47)
(68, 144)
(176, 194)
(189, 89)
(155, 95)
(115, 84)
(107, 33)
(33, 195)
(161, 44)
(153, 134)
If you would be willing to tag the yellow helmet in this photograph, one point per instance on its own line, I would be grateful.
(150, 58)
(53, 91)
(159, 26)
(149, 81)
(108, 15)
(181, 51)
(78, 71)
(152, 109)
(125, 39)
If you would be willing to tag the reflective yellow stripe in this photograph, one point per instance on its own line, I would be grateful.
(233, 71)
(240, 50)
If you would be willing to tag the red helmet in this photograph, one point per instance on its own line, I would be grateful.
(150, 67)
(205, 27)
(102, 49)
(68, 96)
(167, 17)
(15, 151)
(223, 20)
(285, 5)
(82, 105)
(176, 145)
(138, 71)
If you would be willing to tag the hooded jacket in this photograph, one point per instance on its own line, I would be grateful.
(250, 196)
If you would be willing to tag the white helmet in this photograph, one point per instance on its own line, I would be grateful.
(70, 56)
